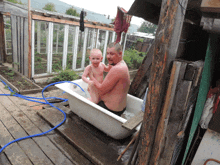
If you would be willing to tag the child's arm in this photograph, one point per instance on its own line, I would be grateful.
(107, 68)
(86, 72)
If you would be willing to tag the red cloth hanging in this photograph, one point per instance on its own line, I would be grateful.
(121, 23)
(214, 91)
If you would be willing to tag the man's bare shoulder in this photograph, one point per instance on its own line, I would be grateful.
(121, 66)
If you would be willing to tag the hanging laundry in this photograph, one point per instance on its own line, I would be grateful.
(81, 21)
(122, 22)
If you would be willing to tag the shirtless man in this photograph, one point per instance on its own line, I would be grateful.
(97, 68)
(113, 91)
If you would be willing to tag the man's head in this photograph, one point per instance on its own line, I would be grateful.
(95, 57)
(114, 53)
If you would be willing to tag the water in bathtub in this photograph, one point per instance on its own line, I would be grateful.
(80, 92)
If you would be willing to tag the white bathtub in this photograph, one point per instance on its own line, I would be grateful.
(101, 118)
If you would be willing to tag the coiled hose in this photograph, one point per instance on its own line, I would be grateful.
(35, 99)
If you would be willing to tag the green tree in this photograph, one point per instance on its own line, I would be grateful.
(72, 11)
(49, 7)
(15, 1)
(148, 27)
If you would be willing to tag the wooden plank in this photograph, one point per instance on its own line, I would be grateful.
(22, 45)
(143, 85)
(25, 63)
(91, 147)
(190, 73)
(37, 17)
(18, 33)
(14, 41)
(2, 40)
(210, 6)
(37, 87)
(29, 40)
(30, 148)
(43, 142)
(198, 76)
(163, 122)
(9, 84)
(13, 9)
(4, 160)
(18, 158)
(166, 45)
(58, 104)
(179, 109)
(203, 88)
(49, 139)
(142, 71)
(134, 121)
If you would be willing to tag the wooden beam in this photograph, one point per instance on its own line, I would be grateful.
(145, 66)
(170, 115)
(2, 40)
(165, 51)
(210, 6)
(14, 41)
(29, 39)
(13, 9)
(133, 122)
(42, 18)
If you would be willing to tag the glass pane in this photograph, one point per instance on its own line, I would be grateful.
(58, 38)
(7, 28)
(70, 48)
(89, 45)
(110, 38)
(80, 49)
(40, 45)
(115, 37)
(101, 40)
(123, 39)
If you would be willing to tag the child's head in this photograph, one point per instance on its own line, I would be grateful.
(95, 57)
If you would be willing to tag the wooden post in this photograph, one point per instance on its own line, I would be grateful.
(165, 50)
(105, 46)
(65, 46)
(29, 39)
(38, 35)
(76, 39)
(2, 40)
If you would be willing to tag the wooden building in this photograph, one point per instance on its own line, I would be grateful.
(179, 69)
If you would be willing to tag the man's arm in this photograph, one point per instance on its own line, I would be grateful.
(86, 72)
(110, 80)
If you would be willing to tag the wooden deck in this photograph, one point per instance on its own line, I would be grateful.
(75, 142)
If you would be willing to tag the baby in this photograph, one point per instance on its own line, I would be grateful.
(96, 68)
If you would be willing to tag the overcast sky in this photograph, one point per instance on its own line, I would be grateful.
(105, 7)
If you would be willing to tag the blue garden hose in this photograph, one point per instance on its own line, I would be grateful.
(46, 102)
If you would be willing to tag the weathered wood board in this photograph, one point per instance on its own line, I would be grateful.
(94, 149)
(18, 158)
(57, 149)
(210, 6)
(134, 121)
